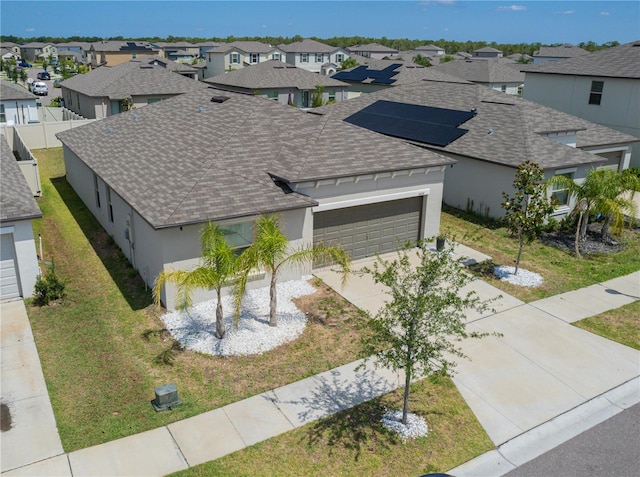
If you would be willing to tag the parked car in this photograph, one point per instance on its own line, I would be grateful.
(25, 64)
(43, 75)
(39, 88)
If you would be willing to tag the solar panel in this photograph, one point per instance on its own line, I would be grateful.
(362, 73)
(425, 124)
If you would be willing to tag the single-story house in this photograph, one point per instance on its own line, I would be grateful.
(487, 52)
(106, 90)
(281, 82)
(372, 50)
(18, 259)
(489, 134)
(496, 73)
(17, 104)
(558, 53)
(231, 157)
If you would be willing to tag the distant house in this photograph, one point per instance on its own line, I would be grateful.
(487, 52)
(372, 50)
(205, 46)
(314, 56)
(154, 177)
(79, 50)
(17, 104)
(489, 134)
(430, 50)
(491, 72)
(520, 58)
(12, 47)
(179, 51)
(188, 71)
(113, 53)
(281, 82)
(557, 53)
(110, 90)
(18, 259)
(237, 55)
(602, 87)
(36, 51)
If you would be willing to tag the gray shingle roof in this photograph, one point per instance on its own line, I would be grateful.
(407, 72)
(245, 46)
(274, 74)
(516, 125)
(134, 77)
(371, 47)
(306, 46)
(617, 62)
(563, 51)
(487, 49)
(217, 161)
(490, 70)
(10, 91)
(16, 199)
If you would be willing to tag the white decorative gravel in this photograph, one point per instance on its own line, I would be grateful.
(195, 328)
(524, 278)
(416, 425)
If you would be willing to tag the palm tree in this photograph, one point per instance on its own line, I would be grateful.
(601, 191)
(217, 269)
(270, 250)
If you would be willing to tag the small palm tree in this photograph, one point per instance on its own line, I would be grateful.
(218, 268)
(270, 250)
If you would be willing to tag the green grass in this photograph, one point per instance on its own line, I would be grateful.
(621, 325)
(561, 271)
(354, 443)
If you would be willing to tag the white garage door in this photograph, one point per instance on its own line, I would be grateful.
(367, 230)
(8, 272)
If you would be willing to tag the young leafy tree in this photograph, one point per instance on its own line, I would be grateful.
(418, 326)
(271, 250)
(316, 97)
(218, 268)
(527, 210)
(348, 63)
(421, 60)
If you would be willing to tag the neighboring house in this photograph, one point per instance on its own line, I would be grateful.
(18, 259)
(487, 52)
(281, 82)
(237, 55)
(491, 72)
(80, 50)
(372, 50)
(154, 180)
(185, 70)
(521, 58)
(602, 87)
(109, 90)
(182, 51)
(7, 54)
(74, 57)
(374, 75)
(430, 50)
(557, 53)
(36, 51)
(205, 46)
(13, 47)
(489, 134)
(17, 104)
(314, 56)
(112, 53)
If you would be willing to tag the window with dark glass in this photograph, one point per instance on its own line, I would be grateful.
(595, 96)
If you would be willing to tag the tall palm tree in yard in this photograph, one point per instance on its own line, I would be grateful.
(271, 251)
(602, 192)
(218, 268)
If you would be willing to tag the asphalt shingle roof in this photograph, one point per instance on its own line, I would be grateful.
(9, 91)
(245, 46)
(506, 130)
(16, 199)
(306, 46)
(407, 72)
(564, 51)
(616, 62)
(217, 162)
(375, 47)
(134, 77)
(274, 74)
(489, 70)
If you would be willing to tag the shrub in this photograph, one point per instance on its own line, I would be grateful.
(48, 288)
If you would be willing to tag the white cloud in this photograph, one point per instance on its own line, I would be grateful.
(512, 8)
(31, 29)
(438, 2)
(566, 12)
(605, 14)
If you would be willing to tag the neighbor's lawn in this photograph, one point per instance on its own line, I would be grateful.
(353, 443)
(621, 325)
(560, 270)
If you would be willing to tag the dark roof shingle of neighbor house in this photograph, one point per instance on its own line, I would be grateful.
(306, 46)
(246, 46)
(563, 51)
(274, 74)
(371, 47)
(489, 70)
(223, 151)
(16, 199)
(403, 73)
(621, 61)
(10, 91)
(506, 130)
(134, 77)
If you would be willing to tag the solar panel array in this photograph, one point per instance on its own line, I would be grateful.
(363, 73)
(425, 124)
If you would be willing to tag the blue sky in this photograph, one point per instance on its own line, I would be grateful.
(478, 20)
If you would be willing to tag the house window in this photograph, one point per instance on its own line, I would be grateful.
(560, 193)
(276, 56)
(595, 97)
(3, 116)
(332, 95)
(254, 58)
(304, 57)
(110, 204)
(319, 57)
(503, 88)
(97, 189)
(272, 95)
(365, 54)
(339, 57)
(234, 58)
(239, 236)
(133, 56)
(520, 89)
(152, 100)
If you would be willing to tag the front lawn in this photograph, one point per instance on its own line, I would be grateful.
(621, 325)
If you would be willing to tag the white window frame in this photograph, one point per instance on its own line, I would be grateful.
(339, 58)
(254, 58)
(595, 96)
(234, 58)
(556, 191)
(276, 56)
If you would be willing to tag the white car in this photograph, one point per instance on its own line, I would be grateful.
(39, 88)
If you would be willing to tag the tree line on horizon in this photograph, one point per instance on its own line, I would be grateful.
(401, 44)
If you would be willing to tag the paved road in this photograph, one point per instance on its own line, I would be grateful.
(53, 92)
(611, 448)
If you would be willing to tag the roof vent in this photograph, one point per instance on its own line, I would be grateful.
(201, 109)
(490, 132)
(219, 99)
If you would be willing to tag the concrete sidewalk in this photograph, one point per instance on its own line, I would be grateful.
(540, 382)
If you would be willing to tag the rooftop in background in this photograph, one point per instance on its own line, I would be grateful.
(483, 70)
(9, 91)
(560, 52)
(15, 196)
(307, 46)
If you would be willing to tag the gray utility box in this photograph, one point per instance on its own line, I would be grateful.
(166, 397)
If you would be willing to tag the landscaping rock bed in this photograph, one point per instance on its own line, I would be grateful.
(593, 244)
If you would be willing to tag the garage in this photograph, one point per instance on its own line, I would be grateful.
(371, 229)
(9, 287)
